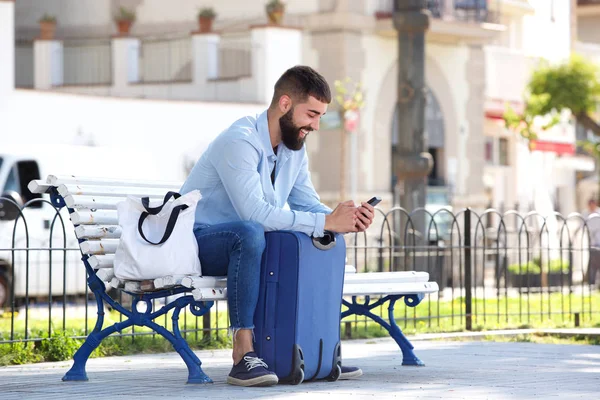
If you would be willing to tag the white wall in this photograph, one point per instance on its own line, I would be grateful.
(175, 128)
(68, 12)
(7, 50)
(547, 33)
(99, 13)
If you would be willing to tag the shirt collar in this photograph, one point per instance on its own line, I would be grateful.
(263, 132)
(262, 125)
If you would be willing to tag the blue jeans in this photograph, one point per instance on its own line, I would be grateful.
(234, 250)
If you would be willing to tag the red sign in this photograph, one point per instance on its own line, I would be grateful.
(555, 147)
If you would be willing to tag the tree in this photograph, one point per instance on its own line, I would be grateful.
(573, 85)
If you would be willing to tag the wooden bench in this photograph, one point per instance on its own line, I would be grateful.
(92, 204)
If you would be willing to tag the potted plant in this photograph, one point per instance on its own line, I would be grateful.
(275, 10)
(47, 27)
(206, 16)
(124, 19)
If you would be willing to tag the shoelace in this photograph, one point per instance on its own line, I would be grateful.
(253, 362)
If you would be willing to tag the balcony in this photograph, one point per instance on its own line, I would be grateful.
(477, 11)
(451, 20)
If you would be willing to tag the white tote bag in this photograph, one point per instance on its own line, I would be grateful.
(157, 239)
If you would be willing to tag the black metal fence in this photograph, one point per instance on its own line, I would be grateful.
(494, 270)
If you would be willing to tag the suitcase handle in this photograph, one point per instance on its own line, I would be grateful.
(326, 242)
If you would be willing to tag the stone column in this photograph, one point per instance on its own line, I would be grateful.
(275, 49)
(48, 63)
(410, 161)
(205, 56)
(125, 61)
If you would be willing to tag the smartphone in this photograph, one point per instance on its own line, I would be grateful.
(374, 201)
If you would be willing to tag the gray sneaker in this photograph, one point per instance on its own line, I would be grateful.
(251, 371)
(350, 372)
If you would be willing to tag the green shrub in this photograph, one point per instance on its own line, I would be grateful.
(19, 353)
(559, 266)
(59, 347)
(524, 269)
(533, 267)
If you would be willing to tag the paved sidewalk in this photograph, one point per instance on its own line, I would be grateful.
(454, 370)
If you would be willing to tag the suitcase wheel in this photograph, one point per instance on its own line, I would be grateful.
(298, 377)
(335, 374)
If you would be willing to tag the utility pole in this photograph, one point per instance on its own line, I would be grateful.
(411, 162)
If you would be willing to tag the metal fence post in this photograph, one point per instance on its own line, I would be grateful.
(468, 271)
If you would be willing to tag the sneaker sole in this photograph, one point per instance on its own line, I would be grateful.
(351, 375)
(265, 380)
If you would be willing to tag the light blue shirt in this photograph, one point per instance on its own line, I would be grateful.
(234, 178)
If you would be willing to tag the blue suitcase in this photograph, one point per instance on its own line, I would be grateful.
(297, 319)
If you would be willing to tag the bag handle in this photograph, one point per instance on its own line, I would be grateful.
(170, 224)
(156, 210)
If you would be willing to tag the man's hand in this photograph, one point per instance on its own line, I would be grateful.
(343, 219)
(365, 214)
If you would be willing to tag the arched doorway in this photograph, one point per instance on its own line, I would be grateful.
(441, 124)
(434, 135)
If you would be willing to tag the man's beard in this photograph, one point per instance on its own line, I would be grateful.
(290, 133)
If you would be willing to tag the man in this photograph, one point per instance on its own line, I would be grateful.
(592, 217)
(246, 176)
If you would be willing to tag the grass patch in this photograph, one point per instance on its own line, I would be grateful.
(59, 339)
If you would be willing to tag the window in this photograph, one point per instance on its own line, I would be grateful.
(489, 150)
(497, 151)
(19, 177)
(12, 183)
(503, 152)
(28, 171)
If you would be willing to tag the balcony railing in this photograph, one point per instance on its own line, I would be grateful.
(477, 11)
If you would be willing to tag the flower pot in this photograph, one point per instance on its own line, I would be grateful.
(47, 30)
(275, 17)
(205, 24)
(124, 26)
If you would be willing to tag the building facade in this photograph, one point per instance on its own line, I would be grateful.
(479, 55)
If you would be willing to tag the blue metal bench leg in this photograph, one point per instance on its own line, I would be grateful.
(193, 363)
(77, 371)
(408, 356)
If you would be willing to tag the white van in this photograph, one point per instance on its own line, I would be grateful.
(40, 228)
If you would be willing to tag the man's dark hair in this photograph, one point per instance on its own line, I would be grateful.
(299, 82)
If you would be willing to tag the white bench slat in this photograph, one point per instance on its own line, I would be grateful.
(106, 261)
(387, 277)
(38, 186)
(204, 281)
(362, 289)
(116, 283)
(106, 274)
(102, 246)
(98, 231)
(169, 281)
(120, 191)
(132, 286)
(93, 202)
(89, 217)
(202, 294)
(57, 180)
